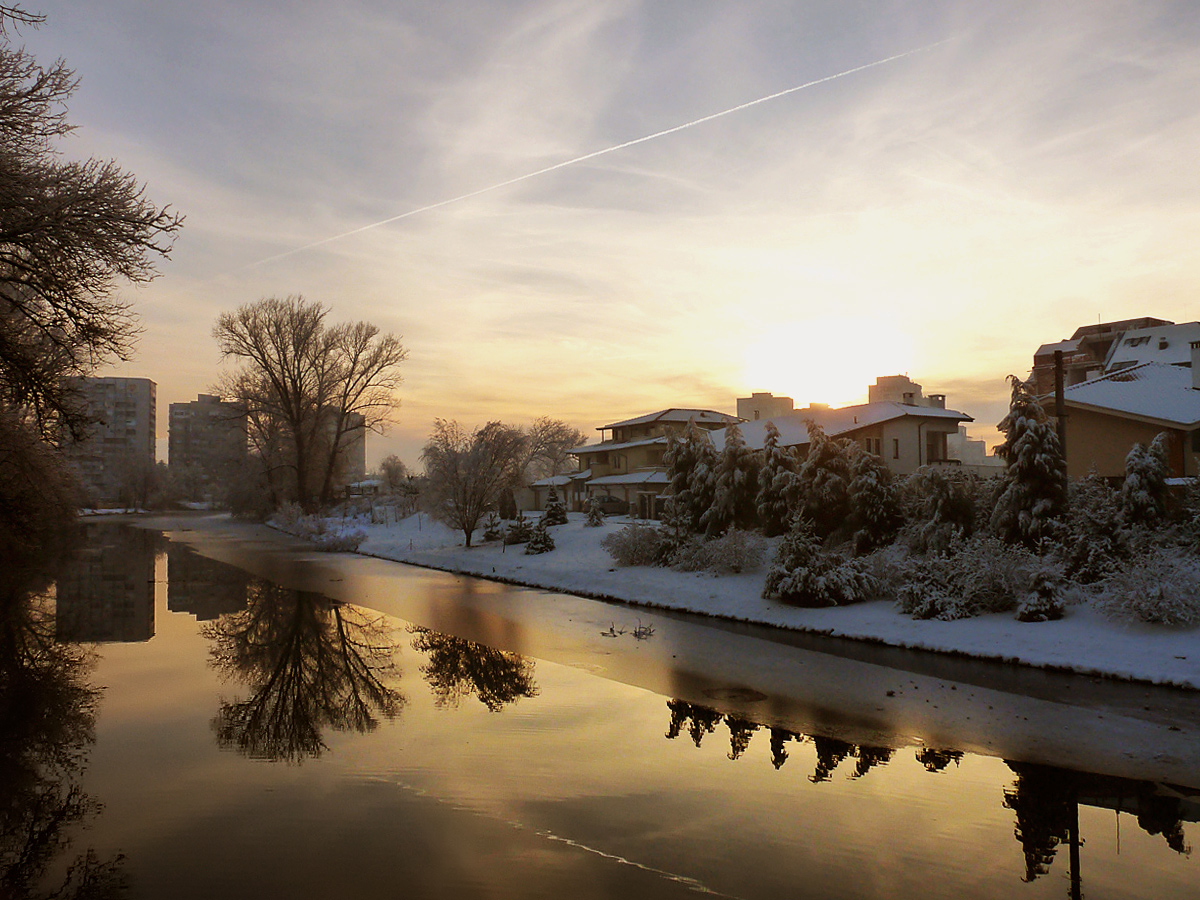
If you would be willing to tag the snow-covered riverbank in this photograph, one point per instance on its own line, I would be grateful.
(1083, 641)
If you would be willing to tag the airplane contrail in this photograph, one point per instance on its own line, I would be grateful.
(595, 153)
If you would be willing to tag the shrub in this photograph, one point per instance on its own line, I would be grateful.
(977, 575)
(491, 527)
(595, 518)
(1160, 588)
(635, 545)
(540, 541)
(1044, 602)
(1095, 541)
(338, 542)
(802, 575)
(734, 552)
(1144, 492)
(519, 530)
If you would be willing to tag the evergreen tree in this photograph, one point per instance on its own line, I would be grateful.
(804, 576)
(774, 479)
(874, 501)
(1144, 493)
(735, 481)
(688, 489)
(540, 541)
(1033, 496)
(595, 517)
(821, 489)
(554, 513)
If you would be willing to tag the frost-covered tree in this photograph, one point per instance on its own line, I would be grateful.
(1144, 493)
(1033, 498)
(821, 488)
(874, 501)
(735, 485)
(540, 541)
(802, 575)
(943, 503)
(690, 460)
(595, 516)
(554, 513)
(774, 480)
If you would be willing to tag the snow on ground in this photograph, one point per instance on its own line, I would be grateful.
(1083, 641)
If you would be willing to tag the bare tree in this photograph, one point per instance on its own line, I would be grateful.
(69, 231)
(549, 444)
(307, 387)
(467, 472)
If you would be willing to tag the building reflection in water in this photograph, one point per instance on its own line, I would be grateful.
(47, 728)
(310, 662)
(1045, 799)
(106, 593)
(201, 587)
(458, 668)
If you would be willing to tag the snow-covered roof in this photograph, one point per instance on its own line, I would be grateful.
(1161, 393)
(642, 476)
(605, 446)
(702, 417)
(1170, 344)
(552, 481)
(1065, 346)
(793, 428)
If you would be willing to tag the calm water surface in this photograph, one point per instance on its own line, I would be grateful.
(218, 713)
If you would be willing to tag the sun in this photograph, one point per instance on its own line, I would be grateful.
(828, 360)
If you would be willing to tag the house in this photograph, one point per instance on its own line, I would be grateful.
(628, 463)
(1107, 415)
(1090, 350)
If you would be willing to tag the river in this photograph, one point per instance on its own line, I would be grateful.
(225, 713)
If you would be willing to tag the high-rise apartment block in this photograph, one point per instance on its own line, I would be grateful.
(207, 435)
(115, 460)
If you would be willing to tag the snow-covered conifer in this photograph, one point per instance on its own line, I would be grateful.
(595, 517)
(690, 489)
(735, 484)
(821, 489)
(540, 541)
(1144, 493)
(774, 478)
(874, 501)
(803, 575)
(1034, 494)
(554, 513)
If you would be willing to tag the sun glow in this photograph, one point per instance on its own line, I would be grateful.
(828, 360)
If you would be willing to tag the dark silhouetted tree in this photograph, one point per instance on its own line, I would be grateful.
(459, 668)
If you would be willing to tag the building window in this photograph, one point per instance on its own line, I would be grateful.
(895, 448)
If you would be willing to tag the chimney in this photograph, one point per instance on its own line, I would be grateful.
(1196, 365)
(937, 401)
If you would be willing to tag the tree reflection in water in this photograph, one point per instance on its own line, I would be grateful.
(313, 663)
(458, 668)
(1045, 799)
(47, 728)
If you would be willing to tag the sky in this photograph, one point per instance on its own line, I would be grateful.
(1001, 175)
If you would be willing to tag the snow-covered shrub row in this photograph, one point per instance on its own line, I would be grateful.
(339, 541)
(1161, 587)
(735, 551)
(317, 530)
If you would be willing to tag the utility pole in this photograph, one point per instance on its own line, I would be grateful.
(1060, 403)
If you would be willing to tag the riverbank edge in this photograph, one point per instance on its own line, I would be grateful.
(871, 640)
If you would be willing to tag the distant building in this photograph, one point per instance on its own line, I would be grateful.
(1086, 353)
(115, 461)
(207, 435)
(902, 389)
(353, 465)
(763, 405)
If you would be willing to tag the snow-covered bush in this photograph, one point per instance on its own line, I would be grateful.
(820, 492)
(1044, 602)
(941, 505)
(554, 513)
(977, 575)
(540, 541)
(1159, 588)
(690, 460)
(874, 501)
(595, 516)
(803, 575)
(338, 541)
(1144, 493)
(519, 530)
(774, 481)
(735, 551)
(636, 544)
(492, 527)
(1034, 493)
(1095, 541)
(735, 487)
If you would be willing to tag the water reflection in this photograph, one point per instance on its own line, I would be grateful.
(106, 593)
(204, 588)
(459, 668)
(1045, 799)
(312, 663)
(47, 729)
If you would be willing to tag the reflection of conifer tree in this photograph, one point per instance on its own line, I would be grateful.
(1043, 798)
(870, 757)
(937, 760)
(312, 663)
(830, 752)
(679, 716)
(47, 727)
(698, 720)
(779, 736)
(458, 668)
(740, 732)
(1162, 815)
